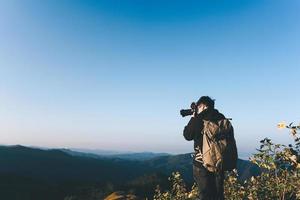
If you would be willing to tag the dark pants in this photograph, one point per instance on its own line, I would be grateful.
(210, 185)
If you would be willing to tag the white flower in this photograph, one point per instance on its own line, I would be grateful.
(177, 175)
(293, 158)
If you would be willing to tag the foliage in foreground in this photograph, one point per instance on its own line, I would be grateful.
(279, 179)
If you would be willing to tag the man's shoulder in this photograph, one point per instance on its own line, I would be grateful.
(221, 115)
(214, 115)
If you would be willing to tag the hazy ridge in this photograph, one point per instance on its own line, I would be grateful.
(30, 173)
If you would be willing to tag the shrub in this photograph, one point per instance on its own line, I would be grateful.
(279, 179)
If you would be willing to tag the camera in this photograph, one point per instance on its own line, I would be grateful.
(187, 112)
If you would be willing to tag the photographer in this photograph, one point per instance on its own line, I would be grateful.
(210, 184)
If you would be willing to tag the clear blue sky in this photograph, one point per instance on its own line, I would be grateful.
(114, 74)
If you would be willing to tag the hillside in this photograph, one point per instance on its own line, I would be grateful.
(28, 173)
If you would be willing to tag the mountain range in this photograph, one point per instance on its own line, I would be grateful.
(30, 173)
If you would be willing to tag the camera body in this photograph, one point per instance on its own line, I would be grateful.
(191, 111)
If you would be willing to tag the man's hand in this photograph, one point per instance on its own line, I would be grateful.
(194, 114)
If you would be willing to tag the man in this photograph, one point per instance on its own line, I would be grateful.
(210, 185)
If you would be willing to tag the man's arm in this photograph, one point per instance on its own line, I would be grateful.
(192, 128)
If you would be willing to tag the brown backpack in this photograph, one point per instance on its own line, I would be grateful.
(219, 146)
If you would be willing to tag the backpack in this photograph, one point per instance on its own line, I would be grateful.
(219, 149)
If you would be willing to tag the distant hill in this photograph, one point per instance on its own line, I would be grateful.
(99, 151)
(127, 156)
(183, 164)
(143, 156)
(28, 173)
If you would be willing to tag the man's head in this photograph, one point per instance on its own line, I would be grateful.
(205, 102)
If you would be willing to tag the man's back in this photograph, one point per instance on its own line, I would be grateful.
(194, 128)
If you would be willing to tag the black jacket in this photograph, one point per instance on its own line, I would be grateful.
(193, 130)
